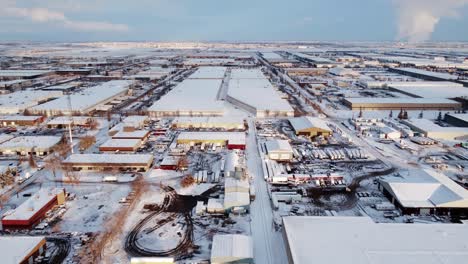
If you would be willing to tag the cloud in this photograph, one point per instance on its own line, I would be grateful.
(417, 19)
(45, 15)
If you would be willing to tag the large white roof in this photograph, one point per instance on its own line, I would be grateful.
(251, 87)
(278, 146)
(431, 90)
(87, 99)
(30, 142)
(22, 73)
(426, 189)
(231, 248)
(433, 130)
(338, 240)
(197, 95)
(388, 100)
(16, 248)
(19, 101)
(121, 143)
(439, 75)
(209, 73)
(33, 204)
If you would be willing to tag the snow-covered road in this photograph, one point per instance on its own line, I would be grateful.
(268, 243)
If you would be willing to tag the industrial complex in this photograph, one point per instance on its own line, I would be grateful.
(248, 152)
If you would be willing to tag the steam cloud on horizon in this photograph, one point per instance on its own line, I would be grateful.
(417, 19)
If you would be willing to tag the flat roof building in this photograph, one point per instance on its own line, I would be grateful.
(209, 122)
(33, 210)
(120, 145)
(233, 140)
(252, 91)
(20, 120)
(108, 162)
(373, 103)
(459, 120)
(25, 145)
(192, 97)
(338, 240)
(85, 101)
(17, 102)
(232, 248)
(432, 130)
(22, 249)
(279, 150)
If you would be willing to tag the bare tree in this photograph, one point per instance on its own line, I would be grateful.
(187, 180)
(93, 124)
(86, 142)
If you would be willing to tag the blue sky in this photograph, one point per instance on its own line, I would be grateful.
(238, 20)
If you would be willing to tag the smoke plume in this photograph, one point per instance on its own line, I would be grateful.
(417, 19)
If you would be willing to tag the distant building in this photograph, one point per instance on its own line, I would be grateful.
(120, 145)
(232, 140)
(26, 145)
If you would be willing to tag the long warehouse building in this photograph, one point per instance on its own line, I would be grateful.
(86, 100)
(251, 90)
(373, 103)
(195, 96)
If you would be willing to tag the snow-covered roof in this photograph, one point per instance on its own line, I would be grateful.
(121, 143)
(18, 101)
(230, 182)
(278, 146)
(426, 189)
(19, 118)
(271, 55)
(16, 248)
(444, 90)
(433, 130)
(212, 61)
(132, 134)
(338, 240)
(135, 120)
(232, 248)
(65, 120)
(388, 100)
(22, 73)
(231, 137)
(109, 158)
(209, 73)
(251, 87)
(33, 204)
(439, 75)
(308, 122)
(191, 95)
(30, 142)
(211, 121)
(339, 71)
(234, 199)
(87, 99)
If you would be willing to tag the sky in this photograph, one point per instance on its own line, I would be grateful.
(237, 20)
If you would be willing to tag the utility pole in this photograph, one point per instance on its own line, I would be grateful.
(70, 121)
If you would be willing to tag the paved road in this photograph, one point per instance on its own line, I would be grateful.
(268, 244)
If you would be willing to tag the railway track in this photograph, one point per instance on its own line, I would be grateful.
(184, 246)
(61, 248)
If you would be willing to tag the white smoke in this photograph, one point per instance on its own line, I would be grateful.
(417, 19)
